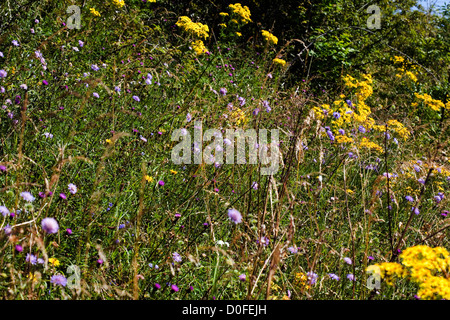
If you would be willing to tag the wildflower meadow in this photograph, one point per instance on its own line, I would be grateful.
(222, 150)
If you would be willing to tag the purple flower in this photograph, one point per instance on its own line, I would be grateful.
(95, 94)
(256, 111)
(293, 250)
(336, 115)
(100, 261)
(48, 135)
(136, 98)
(157, 286)
(4, 211)
(241, 101)
(95, 67)
(235, 216)
(341, 131)
(176, 257)
(242, 277)
(3, 168)
(333, 276)
(174, 288)
(69, 231)
(63, 196)
(312, 277)
(15, 43)
(31, 258)
(347, 260)
(351, 277)
(23, 86)
(27, 196)
(161, 183)
(50, 225)
(349, 103)
(45, 82)
(72, 188)
(19, 248)
(3, 73)
(415, 210)
(330, 135)
(362, 129)
(223, 91)
(409, 198)
(421, 180)
(58, 280)
(7, 229)
(80, 43)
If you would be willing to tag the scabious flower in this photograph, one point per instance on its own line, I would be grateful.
(176, 257)
(242, 277)
(50, 225)
(361, 129)
(415, 210)
(330, 135)
(223, 91)
(409, 198)
(333, 276)
(72, 188)
(136, 98)
(31, 258)
(312, 277)
(95, 67)
(293, 250)
(95, 94)
(235, 216)
(58, 280)
(3, 73)
(7, 229)
(27, 196)
(4, 211)
(347, 260)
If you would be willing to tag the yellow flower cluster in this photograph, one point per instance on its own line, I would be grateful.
(344, 139)
(428, 267)
(239, 116)
(95, 12)
(388, 271)
(242, 11)
(195, 28)
(365, 143)
(54, 262)
(269, 37)
(402, 66)
(395, 126)
(434, 104)
(301, 280)
(279, 61)
(199, 47)
(119, 3)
